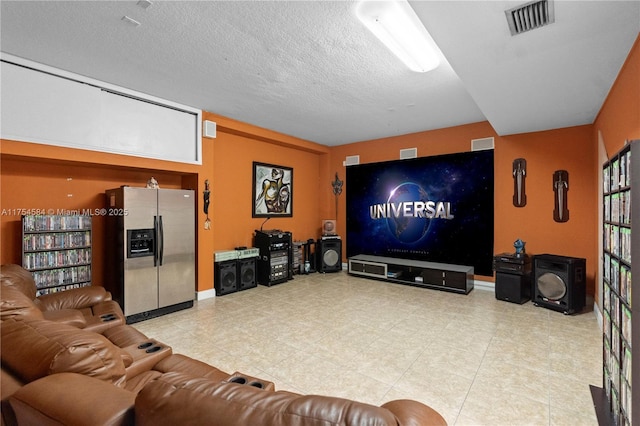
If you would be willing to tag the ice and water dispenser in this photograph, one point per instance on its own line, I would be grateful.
(140, 242)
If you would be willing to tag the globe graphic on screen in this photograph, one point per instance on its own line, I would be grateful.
(408, 229)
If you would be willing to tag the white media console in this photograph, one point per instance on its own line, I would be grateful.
(441, 276)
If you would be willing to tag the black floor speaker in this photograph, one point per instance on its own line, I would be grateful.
(247, 273)
(329, 255)
(559, 283)
(225, 277)
(515, 288)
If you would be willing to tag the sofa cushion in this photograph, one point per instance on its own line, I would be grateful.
(192, 367)
(66, 316)
(39, 348)
(15, 304)
(138, 382)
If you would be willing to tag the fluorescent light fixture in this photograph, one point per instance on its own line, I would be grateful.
(396, 24)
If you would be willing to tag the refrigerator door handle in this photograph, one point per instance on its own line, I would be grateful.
(155, 243)
(161, 232)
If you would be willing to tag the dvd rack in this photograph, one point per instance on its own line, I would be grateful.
(621, 363)
(56, 249)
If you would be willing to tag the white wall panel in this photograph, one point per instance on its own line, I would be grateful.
(43, 106)
(39, 107)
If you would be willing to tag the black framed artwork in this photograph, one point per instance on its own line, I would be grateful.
(272, 190)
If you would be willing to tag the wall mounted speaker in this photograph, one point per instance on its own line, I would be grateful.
(225, 277)
(559, 283)
(247, 273)
(329, 255)
(210, 129)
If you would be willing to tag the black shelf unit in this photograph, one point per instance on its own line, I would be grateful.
(621, 261)
(56, 249)
(440, 276)
(275, 262)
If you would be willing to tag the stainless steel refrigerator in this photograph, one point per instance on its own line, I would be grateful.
(150, 250)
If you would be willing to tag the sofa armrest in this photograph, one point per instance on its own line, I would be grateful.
(178, 398)
(145, 355)
(72, 399)
(15, 304)
(414, 413)
(76, 298)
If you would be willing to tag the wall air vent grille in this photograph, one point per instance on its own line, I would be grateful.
(408, 153)
(482, 144)
(530, 16)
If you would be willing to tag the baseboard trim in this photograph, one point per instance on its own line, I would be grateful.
(484, 285)
(598, 313)
(206, 294)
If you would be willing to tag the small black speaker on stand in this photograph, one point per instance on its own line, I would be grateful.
(329, 254)
(225, 277)
(559, 283)
(247, 273)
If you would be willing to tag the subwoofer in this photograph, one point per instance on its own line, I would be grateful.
(247, 274)
(559, 283)
(225, 277)
(329, 254)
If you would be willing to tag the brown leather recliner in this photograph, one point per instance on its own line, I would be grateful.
(62, 375)
(181, 399)
(39, 354)
(90, 308)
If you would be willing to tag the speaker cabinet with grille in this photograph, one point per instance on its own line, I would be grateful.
(559, 283)
(225, 277)
(329, 254)
(247, 273)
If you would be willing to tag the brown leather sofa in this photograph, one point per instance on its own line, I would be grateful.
(57, 374)
(90, 308)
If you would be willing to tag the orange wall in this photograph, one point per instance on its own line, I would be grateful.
(571, 149)
(54, 186)
(618, 121)
(619, 117)
(236, 147)
(568, 149)
(227, 163)
(35, 176)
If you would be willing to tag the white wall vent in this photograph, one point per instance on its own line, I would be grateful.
(351, 160)
(481, 144)
(530, 16)
(408, 153)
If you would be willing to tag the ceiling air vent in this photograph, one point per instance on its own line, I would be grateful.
(530, 16)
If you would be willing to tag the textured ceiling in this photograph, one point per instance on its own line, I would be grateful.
(311, 70)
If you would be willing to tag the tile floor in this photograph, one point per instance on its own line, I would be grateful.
(475, 359)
